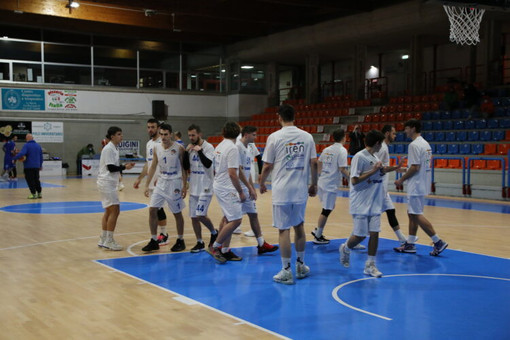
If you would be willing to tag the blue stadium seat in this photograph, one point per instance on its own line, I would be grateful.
(406, 148)
(446, 115)
(447, 125)
(459, 125)
(391, 148)
(450, 136)
(441, 149)
(485, 135)
(426, 116)
(498, 135)
(492, 124)
(399, 148)
(474, 135)
(435, 115)
(465, 149)
(438, 125)
(439, 136)
(505, 123)
(500, 112)
(469, 124)
(400, 137)
(461, 136)
(477, 148)
(466, 113)
(453, 149)
(456, 114)
(428, 126)
(481, 124)
(433, 148)
(429, 136)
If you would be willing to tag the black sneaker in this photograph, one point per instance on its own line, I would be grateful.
(213, 238)
(179, 245)
(163, 239)
(152, 245)
(319, 240)
(231, 256)
(198, 247)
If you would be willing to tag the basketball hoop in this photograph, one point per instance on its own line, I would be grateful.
(464, 24)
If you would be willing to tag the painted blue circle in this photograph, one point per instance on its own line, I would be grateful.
(70, 207)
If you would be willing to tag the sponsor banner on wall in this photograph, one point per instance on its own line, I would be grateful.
(23, 99)
(129, 148)
(48, 132)
(8, 129)
(62, 100)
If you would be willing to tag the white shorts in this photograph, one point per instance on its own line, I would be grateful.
(230, 205)
(328, 199)
(109, 194)
(415, 205)
(387, 203)
(199, 205)
(363, 225)
(287, 216)
(249, 206)
(172, 195)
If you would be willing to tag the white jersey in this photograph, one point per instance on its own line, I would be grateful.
(366, 198)
(246, 160)
(169, 162)
(109, 155)
(290, 150)
(226, 156)
(201, 178)
(149, 150)
(332, 158)
(420, 153)
(384, 157)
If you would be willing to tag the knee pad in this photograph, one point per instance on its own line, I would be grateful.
(326, 212)
(161, 214)
(392, 218)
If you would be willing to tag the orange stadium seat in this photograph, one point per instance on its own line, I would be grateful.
(490, 149)
(503, 149)
(493, 165)
(454, 164)
(440, 163)
(478, 164)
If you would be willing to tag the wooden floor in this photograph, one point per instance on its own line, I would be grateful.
(50, 288)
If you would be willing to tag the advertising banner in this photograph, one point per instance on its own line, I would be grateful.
(62, 100)
(48, 132)
(9, 129)
(23, 99)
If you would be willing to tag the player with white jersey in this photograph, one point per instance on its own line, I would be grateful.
(384, 156)
(153, 132)
(200, 155)
(419, 178)
(170, 186)
(291, 157)
(228, 191)
(366, 197)
(249, 133)
(107, 180)
(332, 165)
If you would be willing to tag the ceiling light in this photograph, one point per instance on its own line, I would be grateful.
(247, 67)
(405, 56)
(73, 4)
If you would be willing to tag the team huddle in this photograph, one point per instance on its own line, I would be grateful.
(202, 171)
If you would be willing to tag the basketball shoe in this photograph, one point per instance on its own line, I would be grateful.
(371, 269)
(198, 247)
(151, 246)
(345, 256)
(302, 270)
(284, 276)
(266, 248)
(439, 246)
(163, 239)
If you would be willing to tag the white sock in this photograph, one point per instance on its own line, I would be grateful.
(216, 245)
(286, 263)
(371, 259)
(400, 235)
(260, 241)
(412, 239)
(301, 256)
(225, 250)
(199, 240)
(214, 232)
(318, 232)
(162, 230)
(154, 237)
(104, 234)
(435, 238)
(109, 235)
(180, 237)
(347, 249)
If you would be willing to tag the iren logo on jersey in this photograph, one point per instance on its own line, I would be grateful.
(298, 147)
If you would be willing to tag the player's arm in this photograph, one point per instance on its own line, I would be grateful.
(319, 167)
(141, 176)
(312, 189)
(345, 171)
(364, 176)
(266, 170)
(182, 154)
(247, 182)
(152, 171)
(411, 171)
(234, 177)
(20, 154)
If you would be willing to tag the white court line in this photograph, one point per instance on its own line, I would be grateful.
(239, 320)
(335, 291)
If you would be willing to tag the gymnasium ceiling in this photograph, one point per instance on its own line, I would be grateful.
(203, 22)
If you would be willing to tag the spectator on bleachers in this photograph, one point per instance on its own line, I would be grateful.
(487, 107)
(451, 98)
(472, 97)
(357, 140)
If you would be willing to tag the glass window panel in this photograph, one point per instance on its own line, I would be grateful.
(27, 72)
(151, 79)
(252, 78)
(4, 71)
(172, 80)
(159, 60)
(20, 50)
(67, 54)
(119, 57)
(18, 32)
(67, 74)
(115, 77)
(66, 37)
(234, 76)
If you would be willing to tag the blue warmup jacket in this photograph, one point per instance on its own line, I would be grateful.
(33, 152)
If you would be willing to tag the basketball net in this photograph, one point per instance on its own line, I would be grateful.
(464, 24)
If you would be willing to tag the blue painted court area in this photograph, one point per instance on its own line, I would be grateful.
(68, 207)
(22, 184)
(457, 295)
